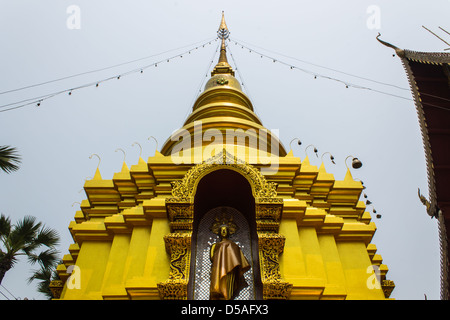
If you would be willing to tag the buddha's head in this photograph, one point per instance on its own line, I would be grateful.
(224, 232)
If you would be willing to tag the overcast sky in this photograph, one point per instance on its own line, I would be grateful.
(41, 41)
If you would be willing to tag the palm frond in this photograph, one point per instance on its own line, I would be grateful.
(47, 237)
(40, 274)
(5, 226)
(46, 258)
(25, 230)
(24, 238)
(44, 276)
(29, 248)
(9, 159)
(27, 226)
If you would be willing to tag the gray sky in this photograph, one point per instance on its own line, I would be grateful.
(57, 138)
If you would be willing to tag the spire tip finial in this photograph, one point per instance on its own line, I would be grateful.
(223, 66)
(223, 31)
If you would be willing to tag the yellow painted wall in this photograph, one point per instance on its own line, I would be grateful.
(92, 261)
(319, 267)
(107, 268)
(157, 263)
(355, 262)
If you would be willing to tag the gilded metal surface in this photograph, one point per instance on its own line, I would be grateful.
(268, 215)
(222, 81)
(184, 190)
(223, 25)
(205, 238)
(268, 211)
(223, 66)
(178, 246)
(387, 286)
(180, 215)
(56, 287)
(426, 203)
(229, 263)
(225, 219)
(271, 245)
(173, 289)
(277, 289)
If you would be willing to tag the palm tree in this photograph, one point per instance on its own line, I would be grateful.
(45, 276)
(25, 238)
(9, 159)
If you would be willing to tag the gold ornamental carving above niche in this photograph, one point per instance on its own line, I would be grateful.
(268, 215)
(184, 190)
(180, 215)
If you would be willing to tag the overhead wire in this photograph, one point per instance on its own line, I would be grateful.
(316, 74)
(240, 76)
(38, 100)
(202, 81)
(5, 296)
(239, 42)
(238, 71)
(8, 292)
(101, 69)
(346, 83)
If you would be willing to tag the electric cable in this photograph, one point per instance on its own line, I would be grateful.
(100, 69)
(201, 82)
(242, 79)
(239, 73)
(5, 296)
(8, 292)
(316, 74)
(38, 100)
(346, 83)
(320, 66)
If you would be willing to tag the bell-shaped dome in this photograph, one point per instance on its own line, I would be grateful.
(223, 80)
(223, 108)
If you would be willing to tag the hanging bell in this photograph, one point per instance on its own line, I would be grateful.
(332, 159)
(356, 164)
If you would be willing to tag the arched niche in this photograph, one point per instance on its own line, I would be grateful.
(226, 189)
(263, 217)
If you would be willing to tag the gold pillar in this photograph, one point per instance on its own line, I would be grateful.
(178, 245)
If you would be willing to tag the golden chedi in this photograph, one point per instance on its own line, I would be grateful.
(289, 229)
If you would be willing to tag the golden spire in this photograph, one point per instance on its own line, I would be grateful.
(223, 67)
(223, 53)
(223, 25)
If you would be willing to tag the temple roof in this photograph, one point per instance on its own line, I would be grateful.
(429, 79)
